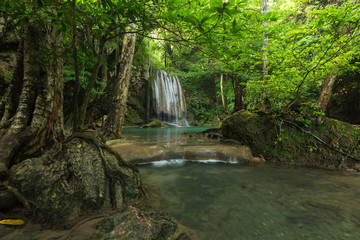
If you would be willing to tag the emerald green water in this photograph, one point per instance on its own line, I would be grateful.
(224, 201)
(160, 133)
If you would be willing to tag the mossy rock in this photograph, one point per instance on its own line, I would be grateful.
(153, 124)
(133, 118)
(76, 181)
(133, 222)
(249, 129)
(332, 144)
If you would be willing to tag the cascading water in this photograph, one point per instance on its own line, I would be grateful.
(169, 102)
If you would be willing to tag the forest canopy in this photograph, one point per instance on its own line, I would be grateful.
(278, 56)
(281, 51)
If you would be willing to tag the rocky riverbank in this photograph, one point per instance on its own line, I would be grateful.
(289, 140)
(82, 189)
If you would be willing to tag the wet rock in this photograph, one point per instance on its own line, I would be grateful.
(139, 223)
(76, 181)
(259, 159)
(214, 133)
(137, 153)
(357, 166)
(153, 124)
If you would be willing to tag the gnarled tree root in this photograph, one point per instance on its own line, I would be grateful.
(19, 197)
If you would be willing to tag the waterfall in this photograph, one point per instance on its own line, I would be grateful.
(169, 102)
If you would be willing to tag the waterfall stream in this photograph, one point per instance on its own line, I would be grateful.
(169, 102)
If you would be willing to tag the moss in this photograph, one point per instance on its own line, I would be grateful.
(153, 124)
(133, 118)
(281, 141)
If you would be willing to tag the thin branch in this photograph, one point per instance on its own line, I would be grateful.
(320, 140)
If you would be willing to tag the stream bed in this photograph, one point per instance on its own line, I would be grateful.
(231, 201)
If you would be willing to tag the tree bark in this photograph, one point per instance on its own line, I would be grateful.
(222, 93)
(75, 97)
(11, 98)
(148, 92)
(238, 95)
(117, 113)
(36, 120)
(265, 58)
(326, 94)
(80, 121)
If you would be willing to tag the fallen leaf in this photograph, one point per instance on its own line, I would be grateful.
(16, 222)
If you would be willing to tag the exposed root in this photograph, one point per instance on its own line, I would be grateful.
(57, 152)
(90, 135)
(102, 155)
(19, 197)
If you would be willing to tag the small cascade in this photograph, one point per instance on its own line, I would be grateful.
(169, 102)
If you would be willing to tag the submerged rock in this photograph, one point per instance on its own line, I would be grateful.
(81, 179)
(332, 144)
(136, 223)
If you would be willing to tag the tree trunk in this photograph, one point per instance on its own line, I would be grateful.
(326, 94)
(10, 100)
(36, 119)
(75, 104)
(238, 95)
(148, 92)
(80, 121)
(222, 93)
(117, 113)
(148, 87)
(265, 58)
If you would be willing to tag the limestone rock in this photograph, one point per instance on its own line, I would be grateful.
(76, 181)
(139, 153)
(135, 223)
(259, 159)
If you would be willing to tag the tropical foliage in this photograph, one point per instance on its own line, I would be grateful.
(202, 40)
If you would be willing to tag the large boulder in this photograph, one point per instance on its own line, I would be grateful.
(249, 129)
(332, 144)
(141, 223)
(80, 178)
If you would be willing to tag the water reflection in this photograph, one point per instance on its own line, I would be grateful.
(156, 133)
(170, 136)
(223, 201)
